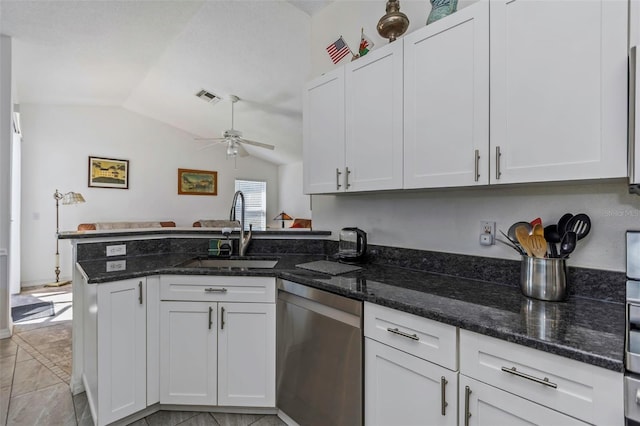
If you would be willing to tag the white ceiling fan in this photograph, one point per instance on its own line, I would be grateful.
(233, 138)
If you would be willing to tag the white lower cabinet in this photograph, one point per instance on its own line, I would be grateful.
(220, 350)
(188, 360)
(406, 381)
(401, 389)
(114, 342)
(247, 354)
(484, 405)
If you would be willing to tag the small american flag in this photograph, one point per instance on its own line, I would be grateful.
(338, 50)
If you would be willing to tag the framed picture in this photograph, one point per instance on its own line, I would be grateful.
(197, 182)
(108, 173)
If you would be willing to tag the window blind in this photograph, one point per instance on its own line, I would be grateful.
(255, 197)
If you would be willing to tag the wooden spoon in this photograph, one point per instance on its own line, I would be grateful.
(522, 234)
(538, 246)
(538, 230)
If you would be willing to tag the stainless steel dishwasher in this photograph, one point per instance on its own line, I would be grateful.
(319, 356)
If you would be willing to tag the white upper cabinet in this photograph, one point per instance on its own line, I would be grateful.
(558, 90)
(374, 120)
(446, 101)
(323, 132)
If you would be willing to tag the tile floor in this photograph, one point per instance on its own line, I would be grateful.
(35, 368)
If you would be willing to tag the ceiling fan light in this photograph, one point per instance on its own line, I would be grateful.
(232, 149)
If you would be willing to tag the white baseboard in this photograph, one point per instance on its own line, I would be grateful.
(5, 333)
(288, 420)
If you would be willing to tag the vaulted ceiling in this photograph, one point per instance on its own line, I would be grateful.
(152, 57)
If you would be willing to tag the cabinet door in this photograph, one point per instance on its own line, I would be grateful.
(188, 356)
(374, 120)
(323, 133)
(121, 349)
(558, 90)
(247, 354)
(481, 404)
(446, 101)
(401, 389)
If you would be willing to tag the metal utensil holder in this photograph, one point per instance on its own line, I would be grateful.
(544, 279)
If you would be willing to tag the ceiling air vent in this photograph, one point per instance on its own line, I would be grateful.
(208, 97)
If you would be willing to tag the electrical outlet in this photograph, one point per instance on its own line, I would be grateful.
(116, 265)
(487, 233)
(119, 250)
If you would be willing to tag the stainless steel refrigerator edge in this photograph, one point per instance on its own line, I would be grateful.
(319, 356)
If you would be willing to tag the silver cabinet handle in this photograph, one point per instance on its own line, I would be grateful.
(467, 414)
(140, 292)
(338, 173)
(638, 397)
(221, 318)
(476, 165)
(403, 334)
(347, 172)
(215, 290)
(498, 155)
(544, 381)
(210, 319)
(443, 397)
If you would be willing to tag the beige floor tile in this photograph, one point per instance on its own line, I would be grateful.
(7, 365)
(48, 335)
(65, 365)
(226, 419)
(269, 421)
(31, 376)
(23, 355)
(49, 406)
(7, 348)
(83, 412)
(5, 394)
(141, 422)
(169, 418)
(202, 419)
(56, 352)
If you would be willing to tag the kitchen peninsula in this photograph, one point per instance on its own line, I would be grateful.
(580, 339)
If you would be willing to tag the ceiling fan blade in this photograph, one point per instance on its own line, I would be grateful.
(254, 143)
(241, 151)
(209, 145)
(208, 139)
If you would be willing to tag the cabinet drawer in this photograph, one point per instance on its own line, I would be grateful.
(422, 337)
(584, 391)
(212, 288)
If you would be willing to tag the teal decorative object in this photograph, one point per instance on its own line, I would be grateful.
(440, 9)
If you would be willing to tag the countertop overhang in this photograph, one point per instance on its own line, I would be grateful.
(586, 330)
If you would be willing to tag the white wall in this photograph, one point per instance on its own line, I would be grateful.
(291, 199)
(448, 220)
(57, 141)
(6, 138)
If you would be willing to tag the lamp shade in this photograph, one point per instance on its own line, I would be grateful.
(283, 216)
(72, 198)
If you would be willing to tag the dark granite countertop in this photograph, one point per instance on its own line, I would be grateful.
(287, 232)
(582, 329)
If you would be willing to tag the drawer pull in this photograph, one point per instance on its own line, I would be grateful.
(467, 414)
(403, 334)
(544, 381)
(443, 397)
(215, 290)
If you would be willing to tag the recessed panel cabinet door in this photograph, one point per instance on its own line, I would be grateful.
(374, 120)
(558, 90)
(121, 349)
(323, 133)
(484, 405)
(247, 354)
(446, 101)
(401, 389)
(188, 353)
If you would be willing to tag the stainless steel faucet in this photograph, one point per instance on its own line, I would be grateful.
(244, 239)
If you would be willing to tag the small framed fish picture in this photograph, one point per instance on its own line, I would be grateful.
(108, 173)
(197, 182)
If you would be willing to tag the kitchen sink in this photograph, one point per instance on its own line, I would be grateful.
(230, 263)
